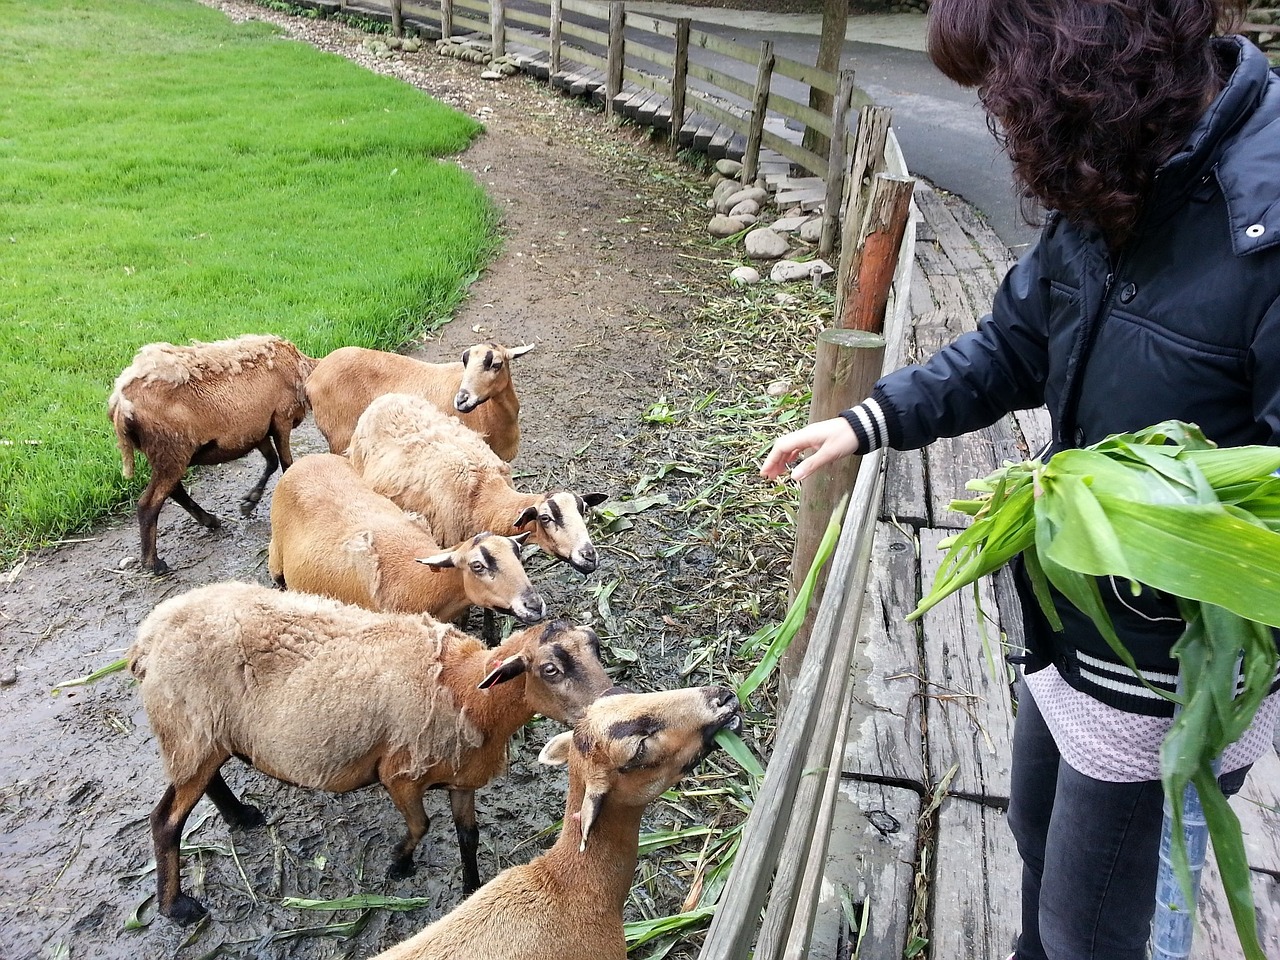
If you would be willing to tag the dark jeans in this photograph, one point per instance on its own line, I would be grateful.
(1090, 851)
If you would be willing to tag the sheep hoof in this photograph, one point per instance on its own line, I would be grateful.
(247, 506)
(159, 568)
(401, 868)
(248, 817)
(185, 910)
(211, 522)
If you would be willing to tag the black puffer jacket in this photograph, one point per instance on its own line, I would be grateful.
(1184, 324)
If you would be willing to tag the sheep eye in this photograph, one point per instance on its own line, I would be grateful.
(550, 670)
(546, 519)
(641, 749)
(477, 567)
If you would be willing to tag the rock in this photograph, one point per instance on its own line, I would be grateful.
(395, 43)
(779, 388)
(750, 193)
(811, 230)
(715, 180)
(8, 676)
(788, 224)
(411, 45)
(723, 190)
(749, 207)
(490, 75)
(725, 226)
(745, 276)
(764, 244)
(728, 168)
(747, 218)
(785, 271)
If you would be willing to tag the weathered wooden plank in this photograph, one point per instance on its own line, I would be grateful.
(1035, 430)
(718, 145)
(871, 854)
(905, 488)
(1258, 807)
(723, 46)
(587, 82)
(968, 704)
(798, 155)
(807, 73)
(652, 54)
(977, 885)
(958, 245)
(953, 462)
(885, 713)
(806, 199)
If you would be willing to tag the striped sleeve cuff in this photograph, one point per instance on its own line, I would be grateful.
(868, 421)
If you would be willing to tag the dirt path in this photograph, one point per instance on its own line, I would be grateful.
(596, 250)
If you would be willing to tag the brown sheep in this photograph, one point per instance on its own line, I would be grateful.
(236, 669)
(333, 535)
(427, 462)
(206, 403)
(568, 902)
(478, 391)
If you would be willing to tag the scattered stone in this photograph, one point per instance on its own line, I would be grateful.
(779, 388)
(126, 562)
(749, 207)
(745, 276)
(811, 230)
(747, 218)
(788, 224)
(490, 75)
(395, 43)
(715, 180)
(785, 271)
(764, 244)
(728, 168)
(8, 676)
(725, 226)
(411, 45)
(750, 193)
(723, 190)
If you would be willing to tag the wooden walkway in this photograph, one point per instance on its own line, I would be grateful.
(919, 832)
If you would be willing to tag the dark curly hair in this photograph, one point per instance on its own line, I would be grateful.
(1088, 97)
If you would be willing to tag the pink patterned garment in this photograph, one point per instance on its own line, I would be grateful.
(1108, 744)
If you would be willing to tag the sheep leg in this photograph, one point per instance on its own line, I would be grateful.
(198, 513)
(166, 476)
(251, 499)
(463, 805)
(490, 630)
(237, 813)
(167, 821)
(407, 796)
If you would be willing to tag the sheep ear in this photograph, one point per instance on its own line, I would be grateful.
(514, 352)
(525, 517)
(520, 538)
(594, 499)
(592, 801)
(439, 562)
(556, 752)
(361, 542)
(508, 669)
(466, 355)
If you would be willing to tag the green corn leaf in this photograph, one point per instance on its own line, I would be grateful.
(359, 901)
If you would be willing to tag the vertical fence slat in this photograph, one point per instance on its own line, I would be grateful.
(868, 159)
(679, 82)
(555, 37)
(836, 164)
(759, 110)
(446, 19)
(613, 76)
(864, 289)
(498, 27)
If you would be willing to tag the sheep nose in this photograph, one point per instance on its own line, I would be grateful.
(721, 698)
(587, 560)
(535, 608)
(462, 400)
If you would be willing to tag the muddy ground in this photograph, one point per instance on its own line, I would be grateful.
(603, 259)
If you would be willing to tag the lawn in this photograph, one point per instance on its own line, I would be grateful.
(168, 175)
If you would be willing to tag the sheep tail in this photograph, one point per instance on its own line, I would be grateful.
(117, 408)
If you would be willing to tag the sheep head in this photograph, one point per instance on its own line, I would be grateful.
(631, 747)
(561, 666)
(559, 526)
(486, 372)
(493, 575)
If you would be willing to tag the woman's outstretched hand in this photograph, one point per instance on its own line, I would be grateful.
(828, 439)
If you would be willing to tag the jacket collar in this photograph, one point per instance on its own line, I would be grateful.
(1237, 140)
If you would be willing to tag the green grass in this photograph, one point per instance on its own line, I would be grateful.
(168, 175)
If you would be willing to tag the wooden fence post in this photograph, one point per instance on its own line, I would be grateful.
(679, 83)
(759, 110)
(446, 19)
(868, 160)
(848, 364)
(498, 27)
(836, 163)
(613, 75)
(397, 18)
(863, 292)
(555, 37)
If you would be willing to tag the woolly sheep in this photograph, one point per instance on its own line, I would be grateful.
(478, 391)
(427, 462)
(237, 669)
(568, 902)
(206, 403)
(333, 535)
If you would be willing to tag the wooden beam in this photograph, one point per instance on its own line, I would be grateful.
(498, 27)
(397, 18)
(836, 165)
(759, 109)
(679, 83)
(868, 159)
(613, 75)
(446, 19)
(862, 294)
(556, 18)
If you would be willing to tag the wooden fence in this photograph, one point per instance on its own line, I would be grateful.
(691, 71)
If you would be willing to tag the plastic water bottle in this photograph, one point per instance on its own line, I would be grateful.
(1173, 925)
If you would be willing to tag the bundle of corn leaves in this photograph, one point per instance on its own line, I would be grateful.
(1166, 509)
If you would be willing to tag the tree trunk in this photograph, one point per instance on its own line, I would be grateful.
(835, 18)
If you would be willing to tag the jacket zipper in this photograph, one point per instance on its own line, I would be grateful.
(1068, 438)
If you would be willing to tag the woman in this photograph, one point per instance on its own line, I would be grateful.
(1153, 293)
